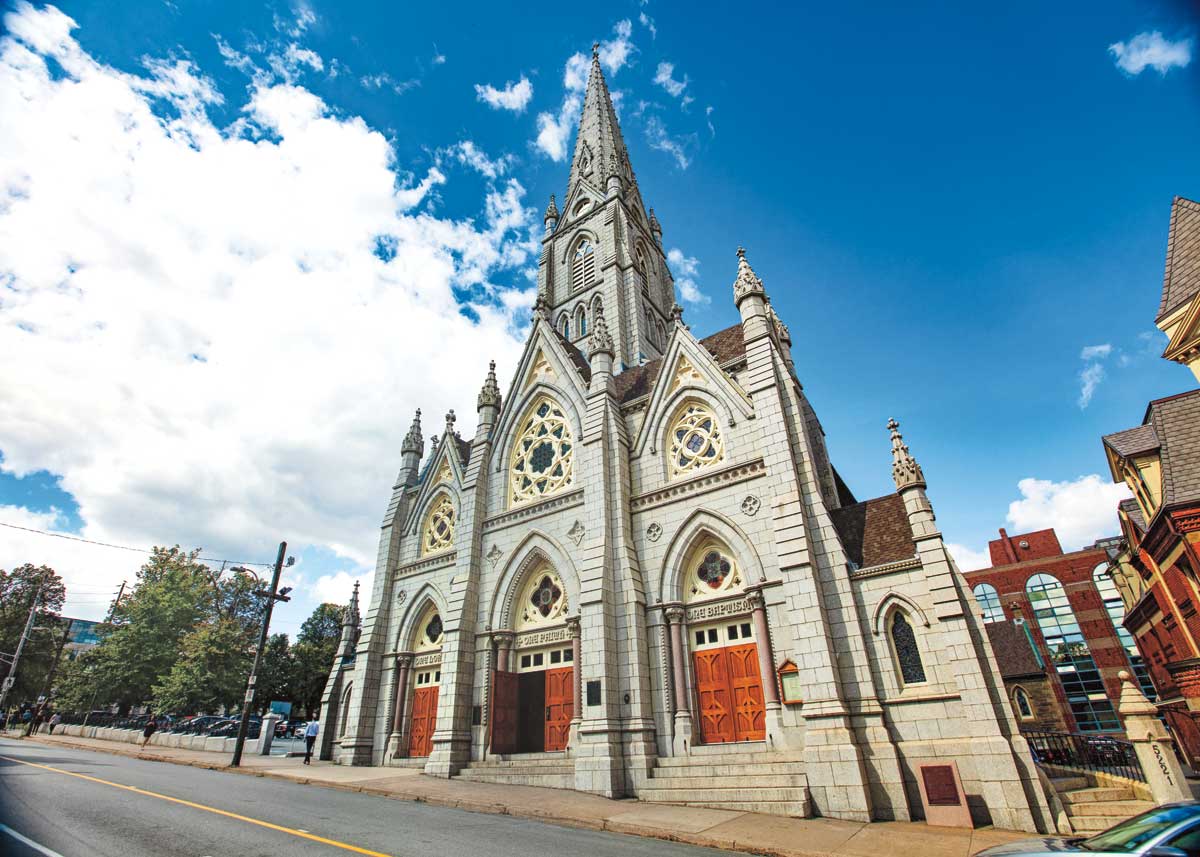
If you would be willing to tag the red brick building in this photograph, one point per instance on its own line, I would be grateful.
(1067, 606)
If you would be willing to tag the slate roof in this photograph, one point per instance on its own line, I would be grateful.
(464, 450)
(1014, 655)
(1131, 508)
(1176, 421)
(637, 381)
(875, 532)
(1134, 441)
(581, 362)
(1181, 280)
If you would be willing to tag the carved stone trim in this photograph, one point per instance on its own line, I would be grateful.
(886, 568)
(654, 531)
(751, 505)
(566, 499)
(576, 533)
(700, 483)
(493, 556)
(439, 561)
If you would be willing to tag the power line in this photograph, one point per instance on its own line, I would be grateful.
(123, 547)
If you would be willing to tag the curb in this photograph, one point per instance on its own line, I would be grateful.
(604, 825)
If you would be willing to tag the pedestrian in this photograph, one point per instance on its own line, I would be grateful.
(310, 738)
(27, 718)
(55, 719)
(151, 726)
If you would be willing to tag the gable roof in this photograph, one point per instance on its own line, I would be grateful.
(1134, 441)
(1176, 421)
(1014, 655)
(875, 532)
(637, 381)
(1181, 280)
(581, 362)
(1134, 512)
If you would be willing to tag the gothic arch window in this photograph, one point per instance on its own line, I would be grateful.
(639, 264)
(1022, 703)
(428, 632)
(564, 326)
(1072, 657)
(597, 306)
(346, 709)
(905, 649)
(438, 533)
(543, 453)
(543, 599)
(581, 322)
(711, 571)
(583, 265)
(695, 439)
(989, 601)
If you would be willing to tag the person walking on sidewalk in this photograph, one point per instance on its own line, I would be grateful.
(55, 719)
(151, 727)
(310, 738)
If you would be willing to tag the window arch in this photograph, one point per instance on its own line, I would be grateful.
(583, 265)
(904, 646)
(1072, 658)
(438, 532)
(543, 599)
(695, 439)
(1022, 703)
(543, 453)
(564, 326)
(346, 708)
(639, 264)
(1113, 603)
(988, 600)
(581, 322)
(711, 571)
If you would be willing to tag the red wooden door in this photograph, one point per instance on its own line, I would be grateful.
(424, 720)
(560, 705)
(745, 687)
(712, 687)
(503, 716)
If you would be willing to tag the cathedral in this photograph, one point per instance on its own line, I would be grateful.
(643, 576)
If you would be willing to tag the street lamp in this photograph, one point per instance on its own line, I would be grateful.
(270, 596)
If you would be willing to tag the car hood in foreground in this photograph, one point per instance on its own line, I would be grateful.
(1045, 845)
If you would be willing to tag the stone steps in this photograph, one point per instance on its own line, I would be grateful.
(756, 769)
(727, 758)
(1091, 795)
(773, 783)
(1090, 824)
(553, 770)
(1112, 811)
(706, 796)
(797, 809)
(1065, 784)
(1092, 809)
(660, 780)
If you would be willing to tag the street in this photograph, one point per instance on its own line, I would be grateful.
(60, 802)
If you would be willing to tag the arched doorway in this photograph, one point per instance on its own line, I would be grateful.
(723, 643)
(534, 687)
(427, 678)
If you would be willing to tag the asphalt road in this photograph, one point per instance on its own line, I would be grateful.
(78, 816)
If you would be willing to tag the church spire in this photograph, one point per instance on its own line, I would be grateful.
(905, 471)
(600, 153)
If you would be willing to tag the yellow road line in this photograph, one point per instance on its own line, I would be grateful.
(345, 846)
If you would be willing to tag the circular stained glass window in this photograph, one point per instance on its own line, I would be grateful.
(542, 456)
(545, 596)
(695, 440)
(714, 568)
(433, 631)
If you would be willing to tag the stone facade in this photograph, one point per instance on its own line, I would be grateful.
(652, 552)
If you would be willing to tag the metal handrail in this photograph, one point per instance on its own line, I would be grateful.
(1102, 753)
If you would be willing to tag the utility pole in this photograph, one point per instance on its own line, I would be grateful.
(44, 696)
(11, 679)
(271, 597)
(112, 609)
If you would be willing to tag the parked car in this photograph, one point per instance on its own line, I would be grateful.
(1170, 830)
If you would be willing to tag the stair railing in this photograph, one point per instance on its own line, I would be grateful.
(1100, 753)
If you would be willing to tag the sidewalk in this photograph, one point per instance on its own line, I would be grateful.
(715, 828)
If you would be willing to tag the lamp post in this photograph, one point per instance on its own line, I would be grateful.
(270, 596)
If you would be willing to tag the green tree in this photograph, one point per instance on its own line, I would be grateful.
(210, 673)
(313, 653)
(276, 674)
(17, 590)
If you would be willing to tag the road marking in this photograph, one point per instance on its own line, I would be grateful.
(41, 849)
(345, 846)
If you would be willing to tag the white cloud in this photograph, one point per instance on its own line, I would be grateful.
(386, 81)
(686, 270)
(439, 58)
(303, 18)
(1151, 50)
(665, 78)
(1095, 352)
(1093, 374)
(1080, 511)
(514, 96)
(967, 559)
(223, 332)
(615, 52)
(466, 152)
(708, 112)
(648, 23)
(337, 588)
(658, 138)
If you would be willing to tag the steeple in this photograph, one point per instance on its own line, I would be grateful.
(349, 628)
(600, 152)
(411, 451)
(905, 471)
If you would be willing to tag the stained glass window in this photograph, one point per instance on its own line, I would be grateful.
(695, 440)
(542, 455)
(543, 599)
(912, 671)
(439, 526)
(433, 630)
(989, 601)
(1024, 709)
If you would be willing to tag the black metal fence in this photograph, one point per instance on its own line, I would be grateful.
(1101, 753)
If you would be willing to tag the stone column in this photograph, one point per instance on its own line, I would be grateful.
(573, 627)
(775, 736)
(396, 740)
(677, 619)
(504, 642)
(1153, 744)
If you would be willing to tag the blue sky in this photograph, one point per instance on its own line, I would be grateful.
(948, 205)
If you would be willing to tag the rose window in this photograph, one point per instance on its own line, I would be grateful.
(433, 631)
(714, 569)
(695, 440)
(439, 528)
(543, 600)
(545, 596)
(712, 573)
(542, 455)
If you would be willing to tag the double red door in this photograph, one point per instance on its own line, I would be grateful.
(531, 711)
(730, 694)
(560, 705)
(424, 720)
